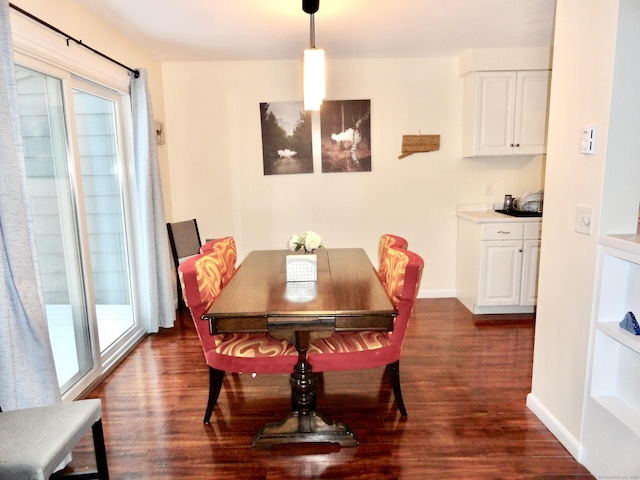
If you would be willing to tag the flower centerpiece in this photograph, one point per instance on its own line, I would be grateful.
(308, 241)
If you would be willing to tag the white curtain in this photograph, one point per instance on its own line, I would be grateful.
(27, 371)
(153, 260)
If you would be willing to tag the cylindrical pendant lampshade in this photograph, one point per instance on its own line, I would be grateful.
(314, 91)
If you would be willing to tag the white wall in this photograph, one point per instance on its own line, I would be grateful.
(214, 145)
(583, 60)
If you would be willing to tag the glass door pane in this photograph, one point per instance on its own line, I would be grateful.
(54, 213)
(96, 130)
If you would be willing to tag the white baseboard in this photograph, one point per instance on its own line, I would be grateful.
(555, 427)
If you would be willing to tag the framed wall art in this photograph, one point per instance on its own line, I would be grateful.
(286, 138)
(345, 132)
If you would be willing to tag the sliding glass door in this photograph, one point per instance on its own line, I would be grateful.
(96, 127)
(55, 225)
(75, 173)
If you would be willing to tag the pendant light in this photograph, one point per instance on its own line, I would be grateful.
(313, 71)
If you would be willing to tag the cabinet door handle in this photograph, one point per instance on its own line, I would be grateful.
(520, 250)
(503, 232)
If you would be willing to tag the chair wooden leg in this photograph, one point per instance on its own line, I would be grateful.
(215, 385)
(100, 451)
(181, 304)
(102, 470)
(393, 370)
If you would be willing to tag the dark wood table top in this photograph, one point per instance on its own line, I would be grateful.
(347, 296)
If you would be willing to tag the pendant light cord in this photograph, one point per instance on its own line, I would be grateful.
(312, 33)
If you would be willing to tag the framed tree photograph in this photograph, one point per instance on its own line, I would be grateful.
(286, 138)
(345, 132)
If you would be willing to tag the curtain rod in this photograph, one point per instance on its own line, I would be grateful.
(135, 73)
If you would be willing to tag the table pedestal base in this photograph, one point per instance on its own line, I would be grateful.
(305, 428)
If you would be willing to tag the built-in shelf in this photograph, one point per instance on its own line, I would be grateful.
(612, 408)
(619, 334)
(629, 243)
(627, 414)
(614, 381)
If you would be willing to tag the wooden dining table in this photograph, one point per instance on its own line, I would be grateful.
(347, 296)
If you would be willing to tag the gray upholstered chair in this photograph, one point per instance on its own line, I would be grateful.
(35, 441)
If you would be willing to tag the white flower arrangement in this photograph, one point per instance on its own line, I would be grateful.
(308, 241)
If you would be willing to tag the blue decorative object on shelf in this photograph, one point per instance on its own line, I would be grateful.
(630, 323)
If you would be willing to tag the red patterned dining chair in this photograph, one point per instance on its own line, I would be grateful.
(358, 350)
(226, 247)
(388, 240)
(202, 281)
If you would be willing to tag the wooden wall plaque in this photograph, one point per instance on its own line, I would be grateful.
(418, 144)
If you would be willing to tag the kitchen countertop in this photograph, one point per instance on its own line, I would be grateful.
(490, 216)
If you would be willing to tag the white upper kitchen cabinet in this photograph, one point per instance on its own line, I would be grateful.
(505, 113)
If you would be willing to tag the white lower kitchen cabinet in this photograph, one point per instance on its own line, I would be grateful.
(611, 417)
(530, 263)
(497, 264)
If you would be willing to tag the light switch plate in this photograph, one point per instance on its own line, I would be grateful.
(588, 140)
(584, 220)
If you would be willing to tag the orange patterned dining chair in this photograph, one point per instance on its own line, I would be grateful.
(388, 240)
(226, 246)
(202, 281)
(358, 350)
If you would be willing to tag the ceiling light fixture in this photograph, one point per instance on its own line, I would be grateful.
(314, 89)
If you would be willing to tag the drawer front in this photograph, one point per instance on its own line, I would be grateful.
(532, 230)
(502, 231)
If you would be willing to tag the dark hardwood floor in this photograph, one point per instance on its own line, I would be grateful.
(465, 381)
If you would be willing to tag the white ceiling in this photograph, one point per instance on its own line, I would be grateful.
(210, 30)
